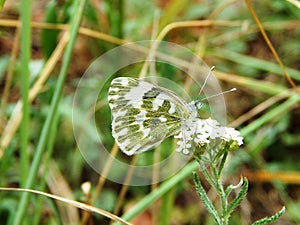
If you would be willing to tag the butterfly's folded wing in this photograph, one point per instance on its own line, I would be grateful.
(143, 115)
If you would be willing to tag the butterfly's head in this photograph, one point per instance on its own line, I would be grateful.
(198, 103)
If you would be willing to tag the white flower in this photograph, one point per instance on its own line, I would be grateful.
(225, 133)
(201, 132)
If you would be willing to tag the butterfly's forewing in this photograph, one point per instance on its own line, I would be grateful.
(143, 115)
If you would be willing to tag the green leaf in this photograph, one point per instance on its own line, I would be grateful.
(1, 4)
(206, 201)
(237, 200)
(271, 219)
(49, 37)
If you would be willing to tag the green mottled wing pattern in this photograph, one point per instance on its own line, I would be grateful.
(143, 115)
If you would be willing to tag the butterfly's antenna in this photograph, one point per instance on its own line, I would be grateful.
(208, 75)
(221, 93)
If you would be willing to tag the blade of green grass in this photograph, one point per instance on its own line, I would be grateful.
(75, 22)
(50, 145)
(277, 111)
(253, 62)
(161, 190)
(170, 12)
(167, 206)
(254, 84)
(25, 59)
(1, 4)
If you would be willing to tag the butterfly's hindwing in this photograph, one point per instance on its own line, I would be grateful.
(144, 114)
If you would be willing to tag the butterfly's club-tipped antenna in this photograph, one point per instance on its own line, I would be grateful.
(221, 93)
(198, 101)
(206, 79)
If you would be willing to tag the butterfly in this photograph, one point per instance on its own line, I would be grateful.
(143, 115)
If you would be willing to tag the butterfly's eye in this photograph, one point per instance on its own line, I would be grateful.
(198, 105)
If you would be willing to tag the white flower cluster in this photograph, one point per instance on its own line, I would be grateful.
(201, 132)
